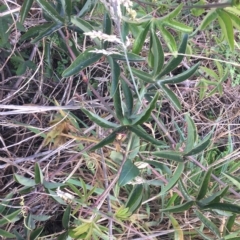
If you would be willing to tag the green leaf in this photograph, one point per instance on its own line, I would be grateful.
(82, 61)
(99, 121)
(235, 20)
(139, 41)
(117, 102)
(223, 207)
(226, 26)
(191, 133)
(109, 139)
(169, 39)
(68, 9)
(172, 97)
(214, 198)
(209, 224)
(233, 179)
(128, 97)
(38, 174)
(66, 217)
(6, 234)
(180, 77)
(10, 218)
(171, 155)
(51, 185)
(25, 9)
(157, 54)
(178, 26)
(142, 134)
(41, 218)
(146, 77)
(24, 181)
(47, 31)
(144, 116)
(50, 11)
(115, 72)
(135, 198)
(131, 57)
(175, 61)
(36, 233)
(204, 185)
(175, 12)
(107, 28)
(184, 190)
(230, 223)
(178, 232)
(128, 173)
(173, 181)
(200, 147)
(178, 208)
(209, 18)
(88, 6)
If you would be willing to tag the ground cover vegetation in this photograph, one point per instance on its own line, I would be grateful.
(119, 119)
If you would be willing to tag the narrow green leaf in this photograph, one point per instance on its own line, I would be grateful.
(34, 31)
(47, 31)
(128, 173)
(36, 233)
(178, 26)
(235, 20)
(178, 232)
(66, 217)
(233, 179)
(10, 218)
(135, 198)
(51, 185)
(128, 97)
(38, 174)
(115, 72)
(191, 133)
(175, 12)
(200, 147)
(88, 6)
(178, 208)
(68, 9)
(226, 26)
(82, 61)
(24, 181)
(157, 54)
(50, 11)
(139, 41)
(134, 146)
(175, 61)
(209, 18)
(201, 234)
(6, 234)
(5, 201)
(210, 72)
(107, 28)
(171, 155)
(180, 77)
(214, 198)
(142, 134)
(109, 139)
(184, 190)
(230, 223)
(41, 218)
(204, 185)
(117, 102)
(223, 207)
(131, 57)
(144, 116)
(209, 224)
(169, 39)
(172, 97)
(26, 6)
(173, 181)
(146, 77)
(99, 121)
(160, 165)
